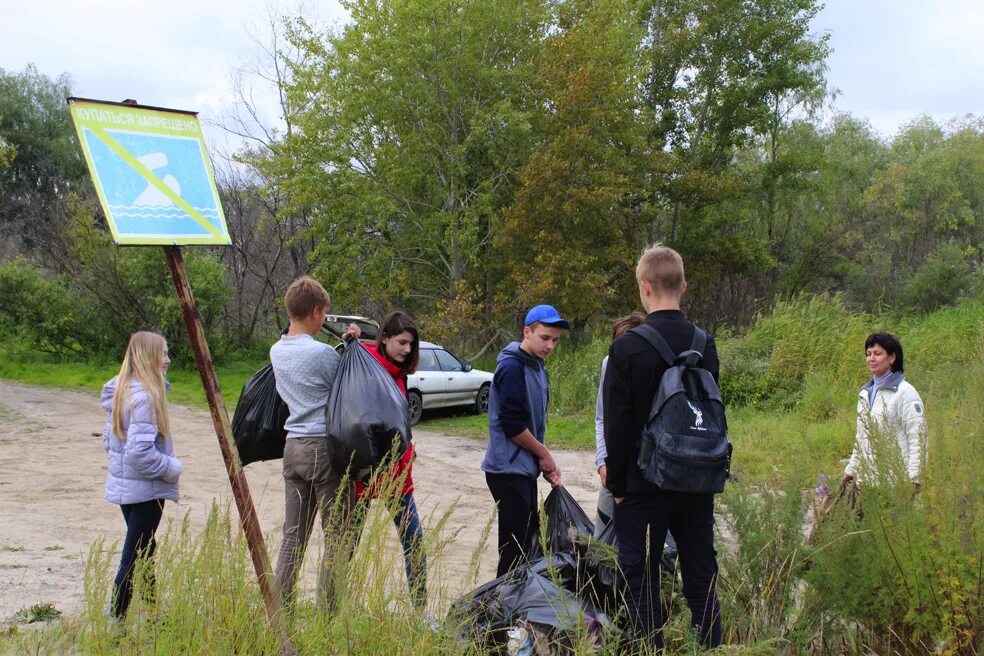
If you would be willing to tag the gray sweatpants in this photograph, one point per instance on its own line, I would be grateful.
(311, 486)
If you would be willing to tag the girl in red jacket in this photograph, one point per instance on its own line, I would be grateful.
(397, 348)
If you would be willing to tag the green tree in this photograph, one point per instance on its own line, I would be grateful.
(830, 233)
(417, 115)
(43, 164)
(719, 75)
(723, 77)
(120, 290)
(570, 235)
(928, 194)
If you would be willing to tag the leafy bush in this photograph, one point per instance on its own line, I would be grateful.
(762, 562)
(112, 293)
(807, 335)
(43, 612)
(41, 311)
(940, 281)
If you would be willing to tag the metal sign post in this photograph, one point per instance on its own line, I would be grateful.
(156, 186)
(223, 430)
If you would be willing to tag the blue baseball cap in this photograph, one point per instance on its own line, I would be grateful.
(548, 315)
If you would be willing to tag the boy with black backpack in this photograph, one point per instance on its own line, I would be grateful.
(668, 451)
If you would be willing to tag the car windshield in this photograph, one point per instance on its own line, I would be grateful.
(336, 324)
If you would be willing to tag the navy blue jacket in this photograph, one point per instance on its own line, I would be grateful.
(518, 401)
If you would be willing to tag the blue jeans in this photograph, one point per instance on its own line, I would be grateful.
(691, 518)
(411, 532)
(142, 520)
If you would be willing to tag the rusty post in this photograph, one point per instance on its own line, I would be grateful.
(223, 430)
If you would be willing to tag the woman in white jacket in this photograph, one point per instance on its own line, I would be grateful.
(892, 407)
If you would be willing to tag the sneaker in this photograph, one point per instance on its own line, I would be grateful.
(430, 620)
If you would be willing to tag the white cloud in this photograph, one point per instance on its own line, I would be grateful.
(895, 60)
(178, 54)
(892, 59)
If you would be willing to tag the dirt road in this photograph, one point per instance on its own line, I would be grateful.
(52, 471)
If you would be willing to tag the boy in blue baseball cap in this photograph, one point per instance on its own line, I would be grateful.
(516, 454)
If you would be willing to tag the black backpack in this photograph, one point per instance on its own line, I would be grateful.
(685, 445)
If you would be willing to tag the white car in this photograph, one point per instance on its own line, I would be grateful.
(442, 380)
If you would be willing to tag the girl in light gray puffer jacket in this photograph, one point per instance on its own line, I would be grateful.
(143, 470)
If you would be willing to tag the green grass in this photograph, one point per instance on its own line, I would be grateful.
(186, 384)
(563, 432)
(43, 612)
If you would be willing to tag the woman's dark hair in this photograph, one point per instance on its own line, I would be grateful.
(397, 322)
(891, 345)
(624, 324)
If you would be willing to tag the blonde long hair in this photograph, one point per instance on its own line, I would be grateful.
(143, 362)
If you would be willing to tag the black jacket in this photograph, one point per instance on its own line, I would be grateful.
(631, 382)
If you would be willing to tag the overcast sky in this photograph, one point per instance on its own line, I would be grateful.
(892, 59)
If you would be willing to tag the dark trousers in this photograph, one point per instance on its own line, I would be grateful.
(519, 520)
(411, 532)
(641, 523)
(142, 520)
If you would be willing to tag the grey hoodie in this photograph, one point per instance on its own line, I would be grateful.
(143, 467)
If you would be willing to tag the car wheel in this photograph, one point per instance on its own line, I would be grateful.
(415, 405)
(482, 400)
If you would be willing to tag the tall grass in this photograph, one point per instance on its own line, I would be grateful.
(208, 601)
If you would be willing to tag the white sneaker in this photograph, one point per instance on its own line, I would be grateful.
(430, 620)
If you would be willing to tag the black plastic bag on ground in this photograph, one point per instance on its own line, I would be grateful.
(479, 611)
(599, 567)
(537, 594)
(366, 414)
(567, 523)
(259, 418)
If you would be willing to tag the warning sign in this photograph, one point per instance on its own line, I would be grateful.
(152, 173)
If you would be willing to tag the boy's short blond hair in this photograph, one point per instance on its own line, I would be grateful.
(662, 268)
(303, 296)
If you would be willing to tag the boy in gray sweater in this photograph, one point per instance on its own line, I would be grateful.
(305, 371)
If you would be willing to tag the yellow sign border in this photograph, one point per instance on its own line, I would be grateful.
(98, 116)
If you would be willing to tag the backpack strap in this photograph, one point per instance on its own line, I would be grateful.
(700, 341)
(656, 340)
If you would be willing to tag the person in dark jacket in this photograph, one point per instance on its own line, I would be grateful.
(516, 454)
(644, 511)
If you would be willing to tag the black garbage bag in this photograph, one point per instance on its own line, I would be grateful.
(259, 418)
(530, 595)
(479, 610)
(567, 523)
(598, 567)
(367, 416)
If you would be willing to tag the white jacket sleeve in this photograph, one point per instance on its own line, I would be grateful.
(914, 424)
(141, 450)
(601, 451)
(860, 436)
